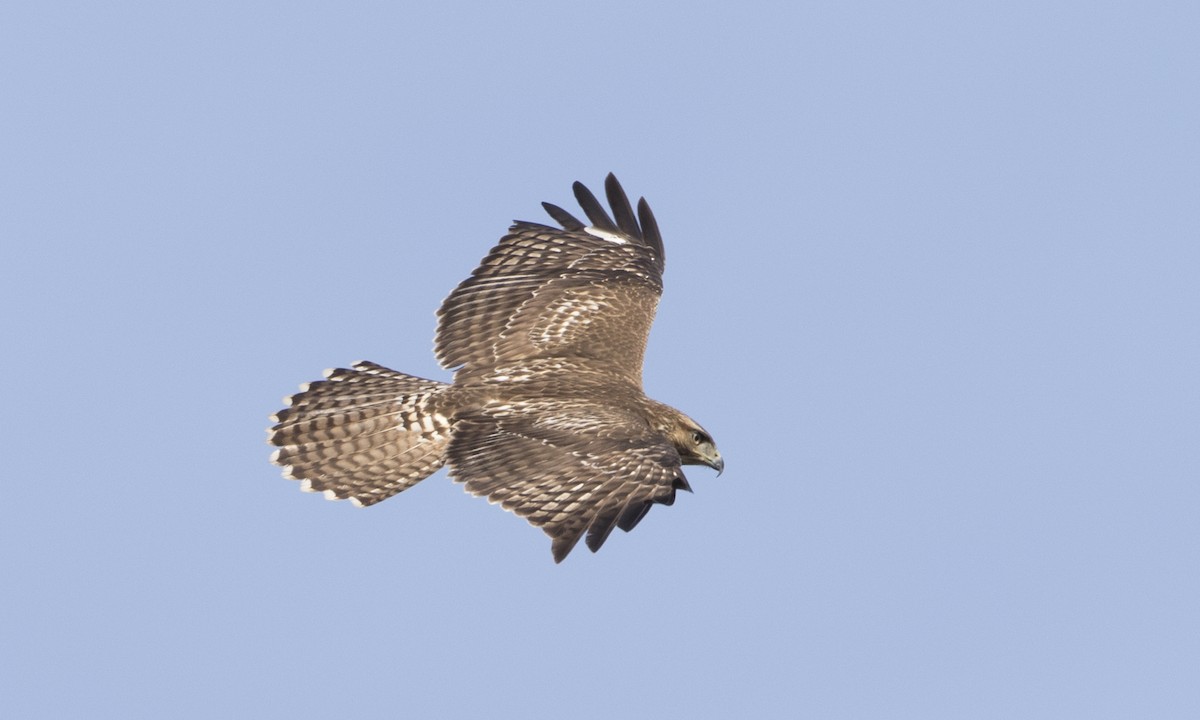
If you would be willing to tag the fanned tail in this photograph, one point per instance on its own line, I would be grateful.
(363, 434)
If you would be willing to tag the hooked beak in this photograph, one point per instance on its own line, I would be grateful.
(716, 463)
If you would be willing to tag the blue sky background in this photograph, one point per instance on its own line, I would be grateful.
(932, 284)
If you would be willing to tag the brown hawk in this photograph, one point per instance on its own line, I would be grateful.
(546, 415)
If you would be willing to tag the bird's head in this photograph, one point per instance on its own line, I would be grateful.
(695, 445)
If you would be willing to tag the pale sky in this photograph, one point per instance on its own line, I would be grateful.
(932, 284)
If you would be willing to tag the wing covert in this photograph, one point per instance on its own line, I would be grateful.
(579, 291)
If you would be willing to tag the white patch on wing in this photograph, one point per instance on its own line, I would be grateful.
(605, 235)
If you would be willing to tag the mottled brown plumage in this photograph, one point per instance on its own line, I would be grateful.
(546, 415)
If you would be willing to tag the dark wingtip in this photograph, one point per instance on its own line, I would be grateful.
(593, 209)
(562, 545)
(619, 202)
(601, 527)
(562, 217)
(650, 234)
(633, 515)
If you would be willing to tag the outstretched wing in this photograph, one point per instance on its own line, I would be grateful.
(581, 291)
(566, 467)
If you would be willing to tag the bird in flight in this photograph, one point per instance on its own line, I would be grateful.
(546, 415)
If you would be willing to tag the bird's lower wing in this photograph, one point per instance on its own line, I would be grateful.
(566, 468)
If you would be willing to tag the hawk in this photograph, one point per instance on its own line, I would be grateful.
(546, 414)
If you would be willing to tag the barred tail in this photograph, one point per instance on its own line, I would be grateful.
(364, 433)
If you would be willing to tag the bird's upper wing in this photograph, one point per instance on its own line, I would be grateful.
(566, 466)
(587, 292)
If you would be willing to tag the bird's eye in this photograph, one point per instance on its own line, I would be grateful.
(699, 438)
